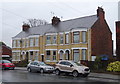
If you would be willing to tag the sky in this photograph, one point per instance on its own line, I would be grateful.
(15, 12)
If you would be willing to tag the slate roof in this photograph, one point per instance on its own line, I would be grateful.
(83, 22)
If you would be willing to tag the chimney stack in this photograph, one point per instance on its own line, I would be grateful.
(25, 27)
(100, 13)
(55, 20)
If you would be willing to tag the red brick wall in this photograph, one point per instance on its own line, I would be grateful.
(118, 40)
(6, 50)
(101, 39)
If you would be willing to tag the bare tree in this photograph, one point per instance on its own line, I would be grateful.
(36, 22)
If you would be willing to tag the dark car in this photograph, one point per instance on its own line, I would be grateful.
(39, 66)
(6, 64)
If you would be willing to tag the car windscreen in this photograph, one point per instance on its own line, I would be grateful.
(77, 64)
(42, 63)
(6, 61)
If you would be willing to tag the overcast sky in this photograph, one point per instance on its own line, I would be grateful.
(15, 12)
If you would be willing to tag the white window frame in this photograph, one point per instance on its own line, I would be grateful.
(83, 54)
(54, 40)
(74, 39)
(36, 41)
(67, 38)
(61, 39)
(84, 36)
(48, 41)
(31, 40)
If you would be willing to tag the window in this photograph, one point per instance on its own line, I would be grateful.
(31, 55)
(54, 40)
(35, 63)
(36, 41)
(61, 55)
(66, 38)
(13, 56)
(61, 39)
(27, 42)
(67, 63)
(63, 63)
(48, 55)
(14, 43)
(83, 54)
(76, 55)
(54, 55)
(23, 43)
(76, 37)
(18, 43)
(36, 55)
(83, 36)
(48, 39)
(31, 42)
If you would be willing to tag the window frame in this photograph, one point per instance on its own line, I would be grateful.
(74, 34)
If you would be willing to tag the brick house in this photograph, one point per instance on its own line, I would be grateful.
(6, 51)
(79, 39)
(118, 40)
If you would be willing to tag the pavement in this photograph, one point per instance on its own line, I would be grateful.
(95, 75)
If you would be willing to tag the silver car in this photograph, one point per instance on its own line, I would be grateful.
(39, 66)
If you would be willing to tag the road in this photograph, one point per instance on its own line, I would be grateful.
(18, 75)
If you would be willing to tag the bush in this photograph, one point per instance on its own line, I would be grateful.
(114, 66)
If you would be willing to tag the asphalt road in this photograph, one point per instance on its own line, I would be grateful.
(25, 76)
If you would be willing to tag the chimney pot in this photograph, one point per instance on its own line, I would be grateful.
(55, 20)
(25, 27)
(100, 12)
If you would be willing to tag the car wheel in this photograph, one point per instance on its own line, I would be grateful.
(57, 72)
(41, 71)
(29, 70)
(75, 73)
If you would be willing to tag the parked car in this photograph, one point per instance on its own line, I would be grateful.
(71, 67)
(39, 66)
(6, 64)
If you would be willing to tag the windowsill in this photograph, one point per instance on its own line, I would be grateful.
(15, 60)
(61, 44)
(80, 43)
(50, 44)
(51, 61)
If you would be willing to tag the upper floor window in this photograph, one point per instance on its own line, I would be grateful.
(19, 43)
(67, 38)
(76, 37)
(83, 36)
(14, 43)
(36, 41)
(27, 42)
(31, 42)
(23, 43)
(61, 39)
(48, 39)
(54, 39)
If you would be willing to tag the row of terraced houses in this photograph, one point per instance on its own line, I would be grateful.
(79, 39)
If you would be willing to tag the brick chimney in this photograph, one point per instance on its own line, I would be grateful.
(100, 13)
(25, 27)
(118, 40)
(55, 20)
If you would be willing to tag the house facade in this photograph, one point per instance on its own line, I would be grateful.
(76, 39)
(5, 51)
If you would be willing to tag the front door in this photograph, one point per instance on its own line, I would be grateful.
(42, 56)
